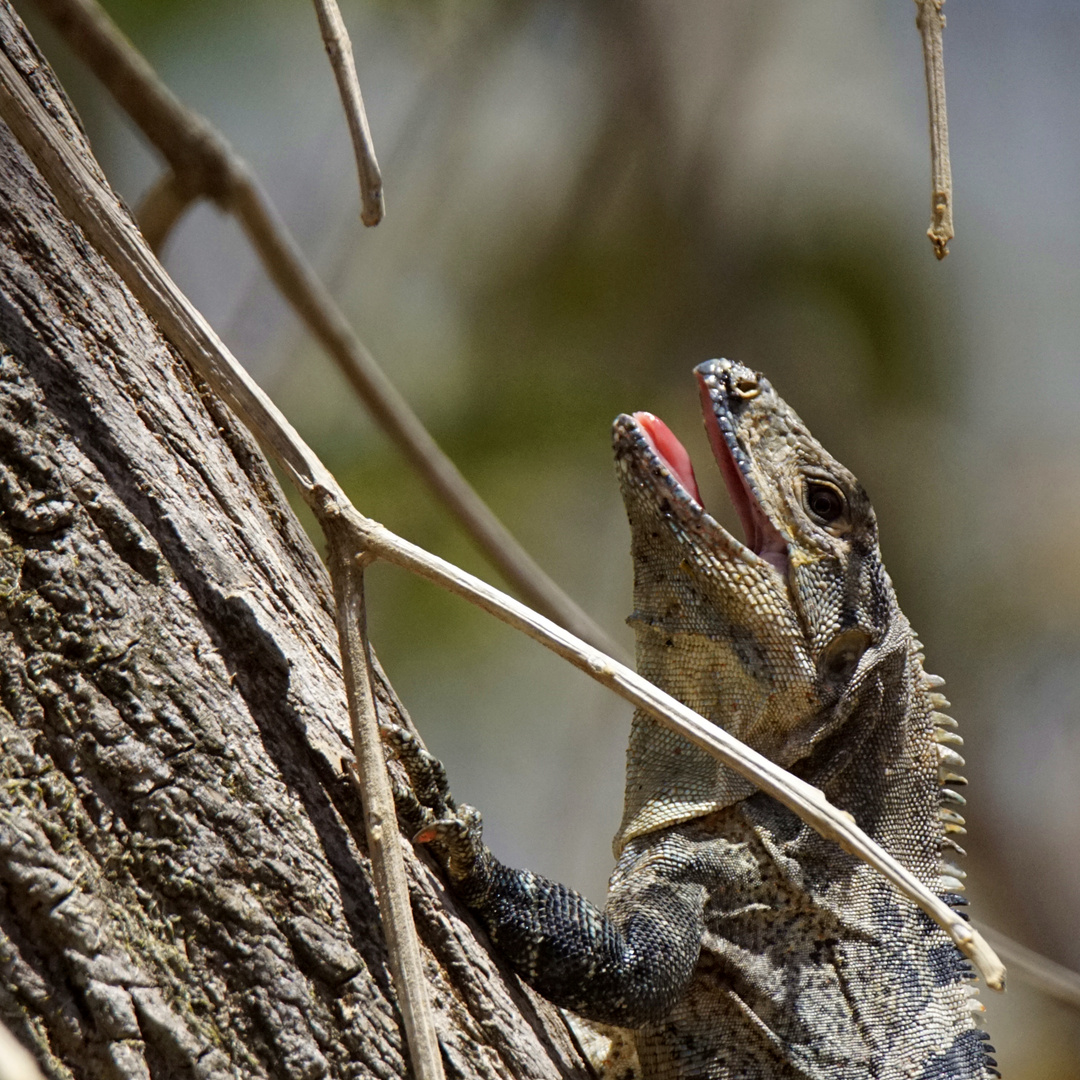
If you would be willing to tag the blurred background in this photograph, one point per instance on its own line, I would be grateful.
(584, 200)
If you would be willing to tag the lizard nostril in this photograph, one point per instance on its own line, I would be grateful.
(746, 387)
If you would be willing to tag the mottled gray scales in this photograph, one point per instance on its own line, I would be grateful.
(737, 942)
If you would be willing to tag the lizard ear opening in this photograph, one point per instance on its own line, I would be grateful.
(842, 655)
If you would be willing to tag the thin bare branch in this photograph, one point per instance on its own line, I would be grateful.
(931, 23)
(16, 1062)
(1036, 970)
(161, 208)
(380, 816)
(298, 281)
(204, 162)
(87, 202)
(802, 798)
(339, 50)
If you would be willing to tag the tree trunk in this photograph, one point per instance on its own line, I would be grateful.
(184, 885)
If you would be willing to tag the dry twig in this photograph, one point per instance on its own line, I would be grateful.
(931, 22)
(339, 50)
(380, 816)
(204, 164)
(161, 208)
(801, 798)
(1053, 979)
(95, 209)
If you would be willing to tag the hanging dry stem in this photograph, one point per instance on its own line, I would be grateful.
(931, 23)
(339, 50)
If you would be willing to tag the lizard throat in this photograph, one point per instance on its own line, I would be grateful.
(761, 536)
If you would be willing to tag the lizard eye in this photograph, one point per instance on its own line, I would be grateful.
(825, 502)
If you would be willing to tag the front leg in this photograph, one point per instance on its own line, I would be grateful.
(626, 965)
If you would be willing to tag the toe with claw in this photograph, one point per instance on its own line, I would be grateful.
(452, 833)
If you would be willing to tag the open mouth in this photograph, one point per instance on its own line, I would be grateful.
(760, 535)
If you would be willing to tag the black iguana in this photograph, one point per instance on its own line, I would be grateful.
(735, 941)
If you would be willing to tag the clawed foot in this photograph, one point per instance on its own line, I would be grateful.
(426, 798)
(451, 832)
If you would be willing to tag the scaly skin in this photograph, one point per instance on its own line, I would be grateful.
(735, 941)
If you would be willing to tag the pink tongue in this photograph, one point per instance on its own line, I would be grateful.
(669, 450)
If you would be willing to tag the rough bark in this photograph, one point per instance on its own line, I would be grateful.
(184, 886)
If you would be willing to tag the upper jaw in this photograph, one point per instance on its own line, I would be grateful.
(725, 387)
(647, 453)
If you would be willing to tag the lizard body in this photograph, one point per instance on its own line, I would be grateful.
(737, 942)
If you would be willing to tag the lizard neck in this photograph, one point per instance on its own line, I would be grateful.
(880, 757)
(882, 764)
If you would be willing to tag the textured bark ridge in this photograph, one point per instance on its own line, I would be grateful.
(183, 885)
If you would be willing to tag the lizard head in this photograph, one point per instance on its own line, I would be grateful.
(802, 512)
(769, 636)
